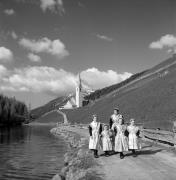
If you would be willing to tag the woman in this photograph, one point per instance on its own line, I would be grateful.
(133, 137)
(115, 117)
(106, 141)
(121, 144)
(95, 129)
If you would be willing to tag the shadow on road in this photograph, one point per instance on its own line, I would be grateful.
(143, 147)
(146, 152)
(141, 152)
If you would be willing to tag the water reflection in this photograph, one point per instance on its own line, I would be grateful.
(29, 153)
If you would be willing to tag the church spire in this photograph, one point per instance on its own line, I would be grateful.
(79, 92)
(79, 81)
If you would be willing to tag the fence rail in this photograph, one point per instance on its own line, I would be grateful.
(160, 135)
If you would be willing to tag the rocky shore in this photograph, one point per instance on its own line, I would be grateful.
(79, 163)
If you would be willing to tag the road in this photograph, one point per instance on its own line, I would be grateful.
(152, 163)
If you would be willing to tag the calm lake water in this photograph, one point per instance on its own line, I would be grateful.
(30, 153)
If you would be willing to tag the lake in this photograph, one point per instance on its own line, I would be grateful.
(30, 153)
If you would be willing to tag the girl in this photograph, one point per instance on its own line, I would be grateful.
(133, 137)
(95, 129)
(121, 144)
(106, 142)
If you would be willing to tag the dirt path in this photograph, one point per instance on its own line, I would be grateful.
(152, 163)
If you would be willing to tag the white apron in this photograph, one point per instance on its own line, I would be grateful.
(132, 138)
(106, 142)
(121, 143)
(94, 141)
(115, 118)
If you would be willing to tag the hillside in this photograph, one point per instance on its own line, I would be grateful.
(104, 91)
(56, 103)
(150, 99)
(60, 101)
(53, 117)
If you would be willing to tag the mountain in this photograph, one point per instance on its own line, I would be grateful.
(150, 98)
(56, 103)
(61, 101)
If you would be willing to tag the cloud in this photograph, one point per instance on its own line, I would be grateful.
(34, 58)
(103, 37)
(45, 45)
(81, 5)
(98, 79)
(55, 81)
(167, 41)
(3, 71)
(9, 12)
(52, 5)
(39, 79)
(6, 55)
(172, 51)
(14, 35)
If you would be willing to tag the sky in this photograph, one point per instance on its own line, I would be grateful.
(44, 44)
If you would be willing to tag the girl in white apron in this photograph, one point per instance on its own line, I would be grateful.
(106, 141)
(121, 143)
(95, 129)
(133, 141)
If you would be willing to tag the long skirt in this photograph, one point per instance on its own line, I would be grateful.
(106, 143)
(133, 141)
(94, 142)
(121, 143)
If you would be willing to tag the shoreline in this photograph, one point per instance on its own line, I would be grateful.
(79, 162)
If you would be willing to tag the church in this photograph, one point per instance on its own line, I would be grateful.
(76, 100)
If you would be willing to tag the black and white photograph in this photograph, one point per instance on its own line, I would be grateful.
(87, 89)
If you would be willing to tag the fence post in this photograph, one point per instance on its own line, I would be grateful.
(174, 131)
(141, 128)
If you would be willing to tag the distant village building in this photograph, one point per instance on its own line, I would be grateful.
(71, 103)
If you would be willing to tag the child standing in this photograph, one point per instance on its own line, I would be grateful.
(133, 137)
(95, 129)
(121, 143)
(106, 141)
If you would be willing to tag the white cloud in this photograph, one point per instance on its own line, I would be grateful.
(52, 5)
(168, 41)
(55, 47)
(34, 58)
(9, 12)
(98, 79)
(103, 37)
(39, 79)
(14, 35)
(3, 71)
(6, 55)
(81, 5)
(172, 51)
(55, 81)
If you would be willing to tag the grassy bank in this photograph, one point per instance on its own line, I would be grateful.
(79, 162)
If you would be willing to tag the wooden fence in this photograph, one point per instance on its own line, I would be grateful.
(159, 135)
(168, 137)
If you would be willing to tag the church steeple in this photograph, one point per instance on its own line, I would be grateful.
(79, 82)
(79, 92)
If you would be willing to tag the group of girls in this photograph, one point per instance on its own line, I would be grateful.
(115, 137)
